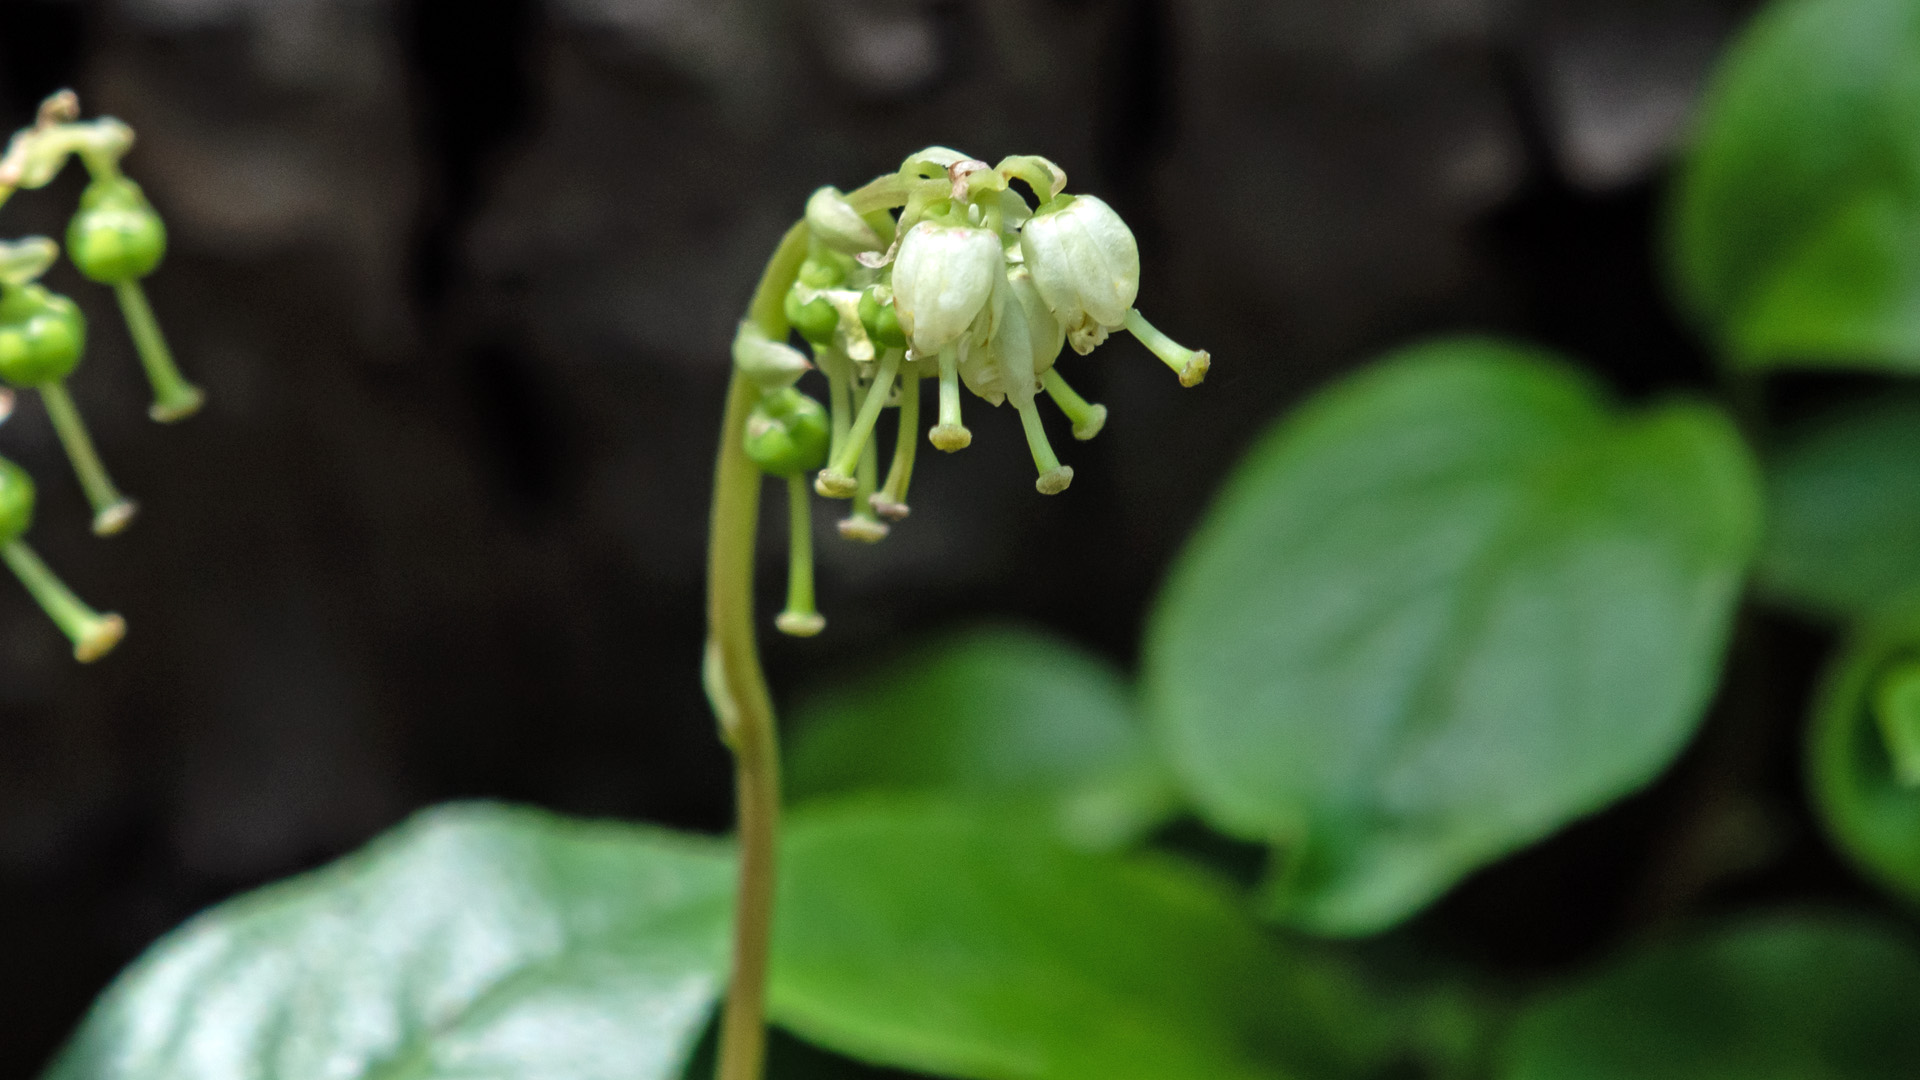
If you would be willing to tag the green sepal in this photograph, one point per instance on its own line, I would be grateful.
(881, 321)
(815, 319)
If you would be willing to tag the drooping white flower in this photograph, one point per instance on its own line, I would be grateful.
(1025, 342)
(1085, 265)
(942, 280)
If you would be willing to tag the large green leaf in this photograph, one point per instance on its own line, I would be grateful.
(1775, 999)
(1448, 607)
(1843, 510)
(1871, 813)
(946, 937)
(475, 941)
(995, 712)
(1797, 225)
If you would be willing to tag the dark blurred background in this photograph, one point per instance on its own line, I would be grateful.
(460, 276)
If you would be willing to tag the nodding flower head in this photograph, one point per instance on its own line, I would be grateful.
(1085, 264)
(944, 270)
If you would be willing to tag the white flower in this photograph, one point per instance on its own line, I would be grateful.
(1025, 343)
(942, 279)
(1085, 265)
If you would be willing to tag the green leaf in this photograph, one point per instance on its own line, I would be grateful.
(1858, 759)
(473, 941)
(1781, 998)
(1451, 605)
(946, 937)
(1843, 509)
(995, 712)
(1796, 233)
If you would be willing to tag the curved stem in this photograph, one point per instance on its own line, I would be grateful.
(737, 687)
(738, 690)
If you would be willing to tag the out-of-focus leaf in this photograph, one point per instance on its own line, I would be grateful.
(1774, 999)
(1870, 813)
(946, 937)
(998, 713)
(1843, 510)
(1451, 605)
(1797, 226)
(473, 941)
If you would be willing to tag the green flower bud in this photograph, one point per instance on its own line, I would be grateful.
(16, 501)
(41, 336)
(834, 222)
(788, 433)
(116, 236)
(816, 319)
(1085, 264)
(769, 364)
(881, 321)
(942, 280)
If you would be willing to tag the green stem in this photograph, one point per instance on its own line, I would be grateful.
(863, 524)
(738, 690)
(800, 619)
(1190, 364)
(112, 511)
(950, 434)
(737, 687)
(93, 634)
(848, 457)
(892, 498)
(1087, 418)
(1054, 477)
(174, 398)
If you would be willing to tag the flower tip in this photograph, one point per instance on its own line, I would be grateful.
(834, 485)
(115, 518)
(864, 529)
(100, 638)
(800, 623)
(1195, 372)
(1055, 480)
(1096, 419)
(950, 437)
(887, 508)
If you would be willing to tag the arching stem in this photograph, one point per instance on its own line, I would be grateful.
(737, 688)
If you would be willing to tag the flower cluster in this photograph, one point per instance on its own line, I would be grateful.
(115, 238)
(944, 270)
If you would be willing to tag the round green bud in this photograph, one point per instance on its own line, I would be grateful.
(116, 236)
(816, 319)
(41, 336)
(881, 321)
(825, 272)
(788, 434)
(16, 501)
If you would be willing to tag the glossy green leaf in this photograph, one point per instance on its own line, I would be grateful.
(995, 712)
(474, 941)
(1843, 510)
(1854, 754)
(1782, 998)
(1797, 224)
(946, 937)
(1451, 605)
